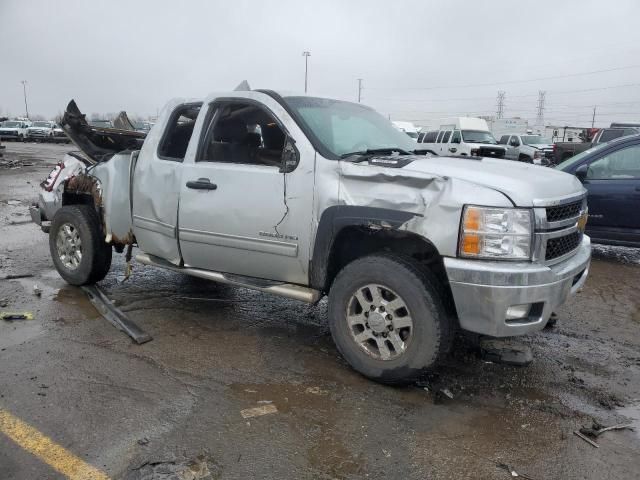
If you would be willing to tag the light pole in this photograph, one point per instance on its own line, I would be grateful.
(306, 56)
(24, 91)
(359, 89)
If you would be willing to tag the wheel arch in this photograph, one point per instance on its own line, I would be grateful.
(346, 233)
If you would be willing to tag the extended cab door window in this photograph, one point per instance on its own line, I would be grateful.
(439, 140)
(177, 135)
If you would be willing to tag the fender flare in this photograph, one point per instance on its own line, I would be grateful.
(333, 220)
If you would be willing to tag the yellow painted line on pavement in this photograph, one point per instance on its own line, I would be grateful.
(54, 455)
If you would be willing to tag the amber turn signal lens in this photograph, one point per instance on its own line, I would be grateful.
(470, 244)
(472, 220)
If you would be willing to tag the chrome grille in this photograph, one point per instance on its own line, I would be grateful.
(562, 212)
(557, 247)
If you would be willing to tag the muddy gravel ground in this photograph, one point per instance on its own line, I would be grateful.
(171, 408)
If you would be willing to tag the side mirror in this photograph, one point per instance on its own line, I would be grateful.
(581, 172)
(290, 156)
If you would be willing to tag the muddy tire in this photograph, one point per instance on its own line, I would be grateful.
(388, 318)
(77, 245)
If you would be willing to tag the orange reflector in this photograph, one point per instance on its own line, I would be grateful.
(472, 220)
(470, 244)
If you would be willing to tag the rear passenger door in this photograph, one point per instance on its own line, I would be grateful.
(157, 180)
(239, 213)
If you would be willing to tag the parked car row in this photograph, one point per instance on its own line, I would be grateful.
(38, 131)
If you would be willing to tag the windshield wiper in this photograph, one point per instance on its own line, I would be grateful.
(375, 151)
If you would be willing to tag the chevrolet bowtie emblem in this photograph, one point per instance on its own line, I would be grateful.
(582, 221)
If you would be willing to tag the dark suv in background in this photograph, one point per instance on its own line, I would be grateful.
(611, 174)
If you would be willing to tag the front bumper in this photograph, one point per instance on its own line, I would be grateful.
(38, 135)
(483, 291)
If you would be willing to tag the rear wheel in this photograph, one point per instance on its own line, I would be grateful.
(526, 159)
(77, 245)
(388, 319)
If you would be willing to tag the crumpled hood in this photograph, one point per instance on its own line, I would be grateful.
(521, 182)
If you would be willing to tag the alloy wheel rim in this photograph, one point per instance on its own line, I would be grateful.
(379, 321)
(69, 246)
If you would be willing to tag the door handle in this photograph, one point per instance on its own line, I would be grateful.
(201, 184)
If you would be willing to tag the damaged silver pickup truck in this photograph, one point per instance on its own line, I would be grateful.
(304, 197)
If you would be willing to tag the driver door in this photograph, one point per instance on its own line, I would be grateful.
(239, 213)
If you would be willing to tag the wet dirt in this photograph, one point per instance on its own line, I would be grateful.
(154, 410)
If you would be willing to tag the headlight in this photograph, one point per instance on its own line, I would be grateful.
(495, 233)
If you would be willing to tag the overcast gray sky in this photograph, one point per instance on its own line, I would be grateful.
(419, 60)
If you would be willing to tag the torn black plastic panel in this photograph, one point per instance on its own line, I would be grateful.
(98, 143)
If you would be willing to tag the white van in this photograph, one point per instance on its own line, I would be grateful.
(465, 136)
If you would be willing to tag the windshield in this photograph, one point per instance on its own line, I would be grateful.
(477, 136)
(11, 124)
(345, 127)
(535, 140)
(41, 124)
(564, 166)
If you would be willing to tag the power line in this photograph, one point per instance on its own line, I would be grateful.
(550, 92)
(506, 82)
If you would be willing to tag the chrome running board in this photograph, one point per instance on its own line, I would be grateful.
(288, 290)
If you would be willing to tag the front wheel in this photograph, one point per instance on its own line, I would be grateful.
(388, 319)
(77, 245)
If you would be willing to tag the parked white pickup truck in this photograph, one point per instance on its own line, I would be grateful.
(14, 130)
(528, 147)
(304, 197)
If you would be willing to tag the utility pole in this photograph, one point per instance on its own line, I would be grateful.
(359, 89)
(24, 91)
(541, 98)
(306, 54)
(500, 112)
(593, 119)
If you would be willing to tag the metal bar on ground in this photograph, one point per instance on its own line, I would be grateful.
(114, 315)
